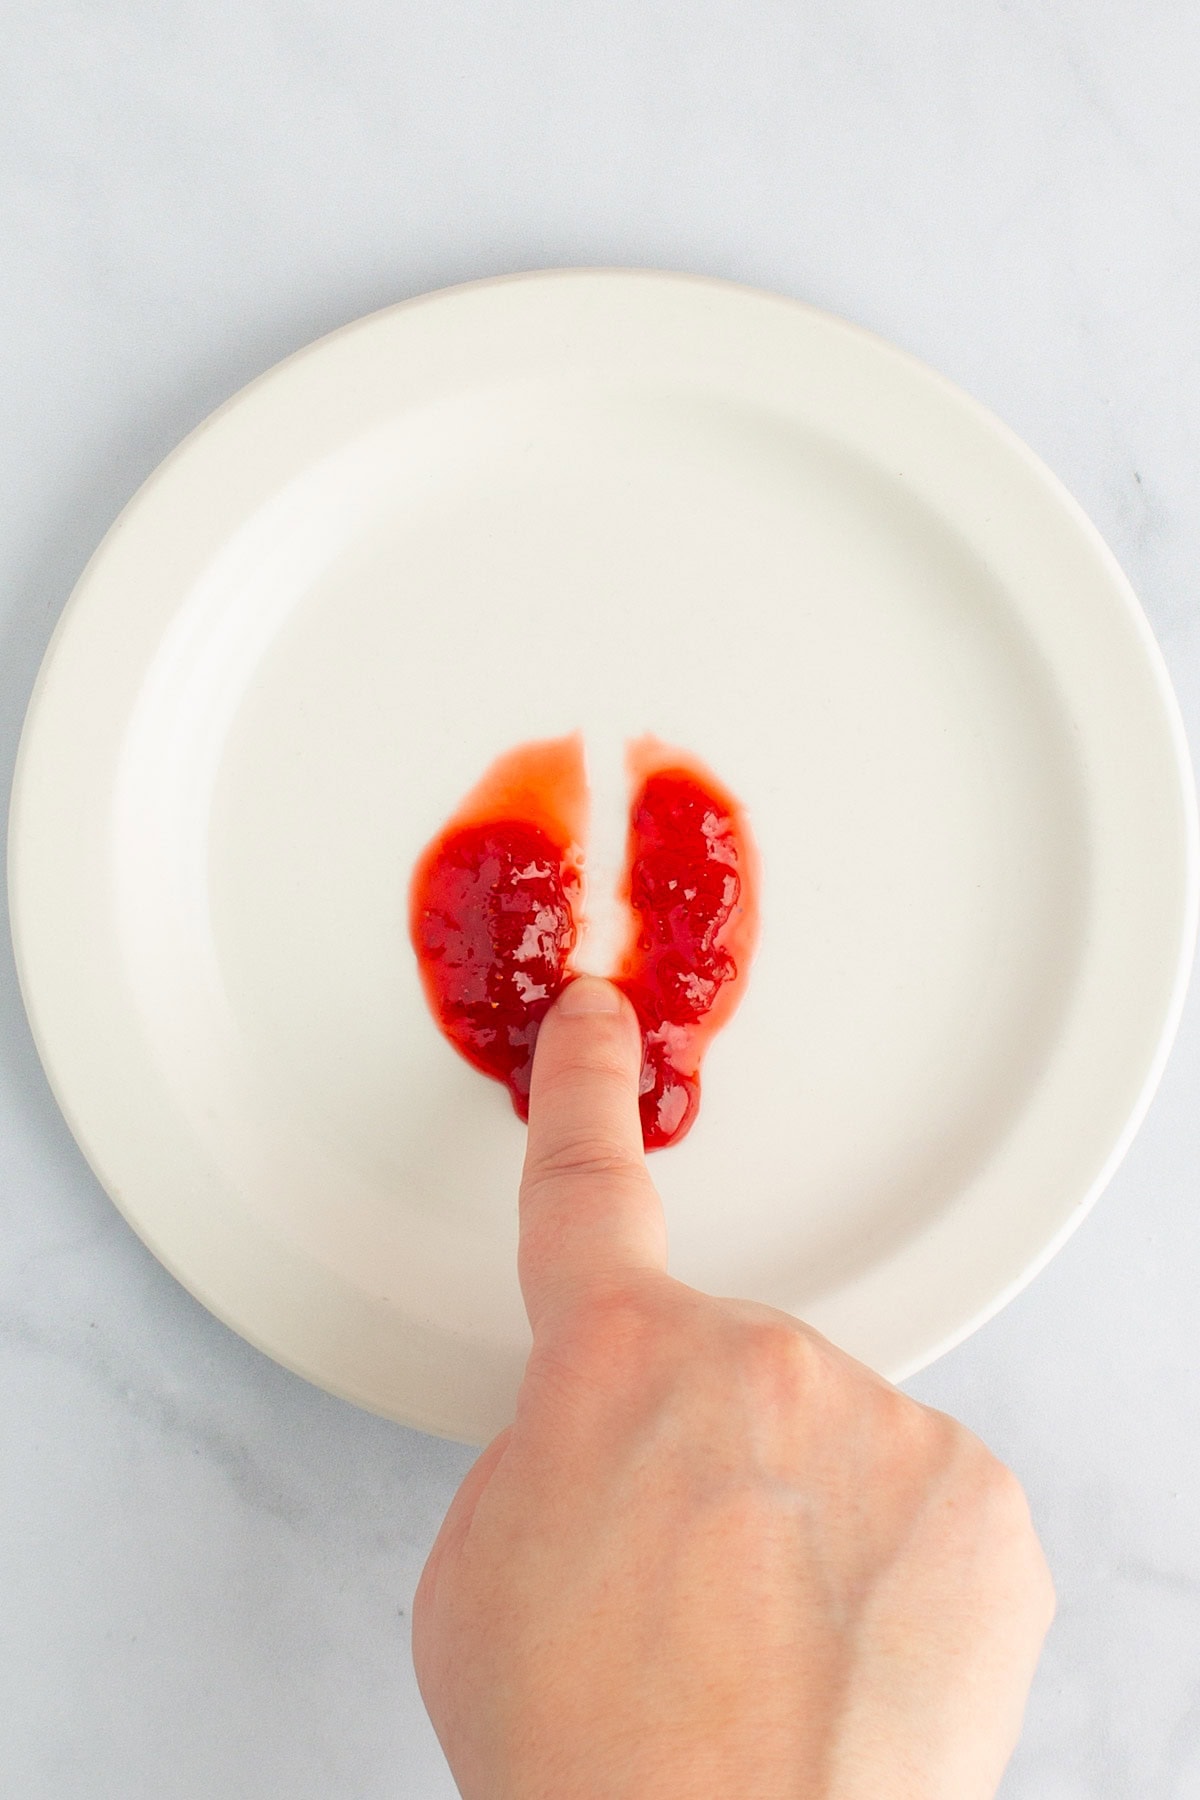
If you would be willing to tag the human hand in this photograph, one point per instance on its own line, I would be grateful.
(713, 1555)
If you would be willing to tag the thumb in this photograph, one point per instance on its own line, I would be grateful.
(589, 1209)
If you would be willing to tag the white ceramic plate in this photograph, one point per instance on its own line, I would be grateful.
(623, 502)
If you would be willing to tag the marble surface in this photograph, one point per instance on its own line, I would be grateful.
(207, 1567)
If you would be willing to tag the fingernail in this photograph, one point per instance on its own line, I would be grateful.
(588, 994)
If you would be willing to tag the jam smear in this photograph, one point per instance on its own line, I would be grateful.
(493, 907)
(494, 916)
(692, 889)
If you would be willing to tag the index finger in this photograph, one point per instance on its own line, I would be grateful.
(589, 1209)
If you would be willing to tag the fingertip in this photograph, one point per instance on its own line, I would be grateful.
(589, 994)
(590, 1027)
(586, 1066)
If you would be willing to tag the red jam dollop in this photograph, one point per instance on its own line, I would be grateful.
(492, 908)
(691, 887)
(494, 916)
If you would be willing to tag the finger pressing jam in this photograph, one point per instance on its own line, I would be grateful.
(495, 916)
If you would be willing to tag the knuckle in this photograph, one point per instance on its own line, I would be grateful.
(996, 1491)
(779, 1359)
(945, 1443)
(929, 1448)
(579, 1156)
(987, 1486)
(1006, 1518)
(601, 1062)
(1005, 1494)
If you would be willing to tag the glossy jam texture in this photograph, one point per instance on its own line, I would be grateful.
(690, 888)
(495, 931)
(493, 905)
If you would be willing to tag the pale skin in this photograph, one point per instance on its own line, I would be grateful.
(713, 1555)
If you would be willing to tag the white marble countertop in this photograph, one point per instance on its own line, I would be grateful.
(207, 1566)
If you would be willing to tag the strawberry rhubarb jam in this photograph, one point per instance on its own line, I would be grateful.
(493, 907)
(494, 916)
(690, 875)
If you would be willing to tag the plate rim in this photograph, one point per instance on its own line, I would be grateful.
(1062, 497)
